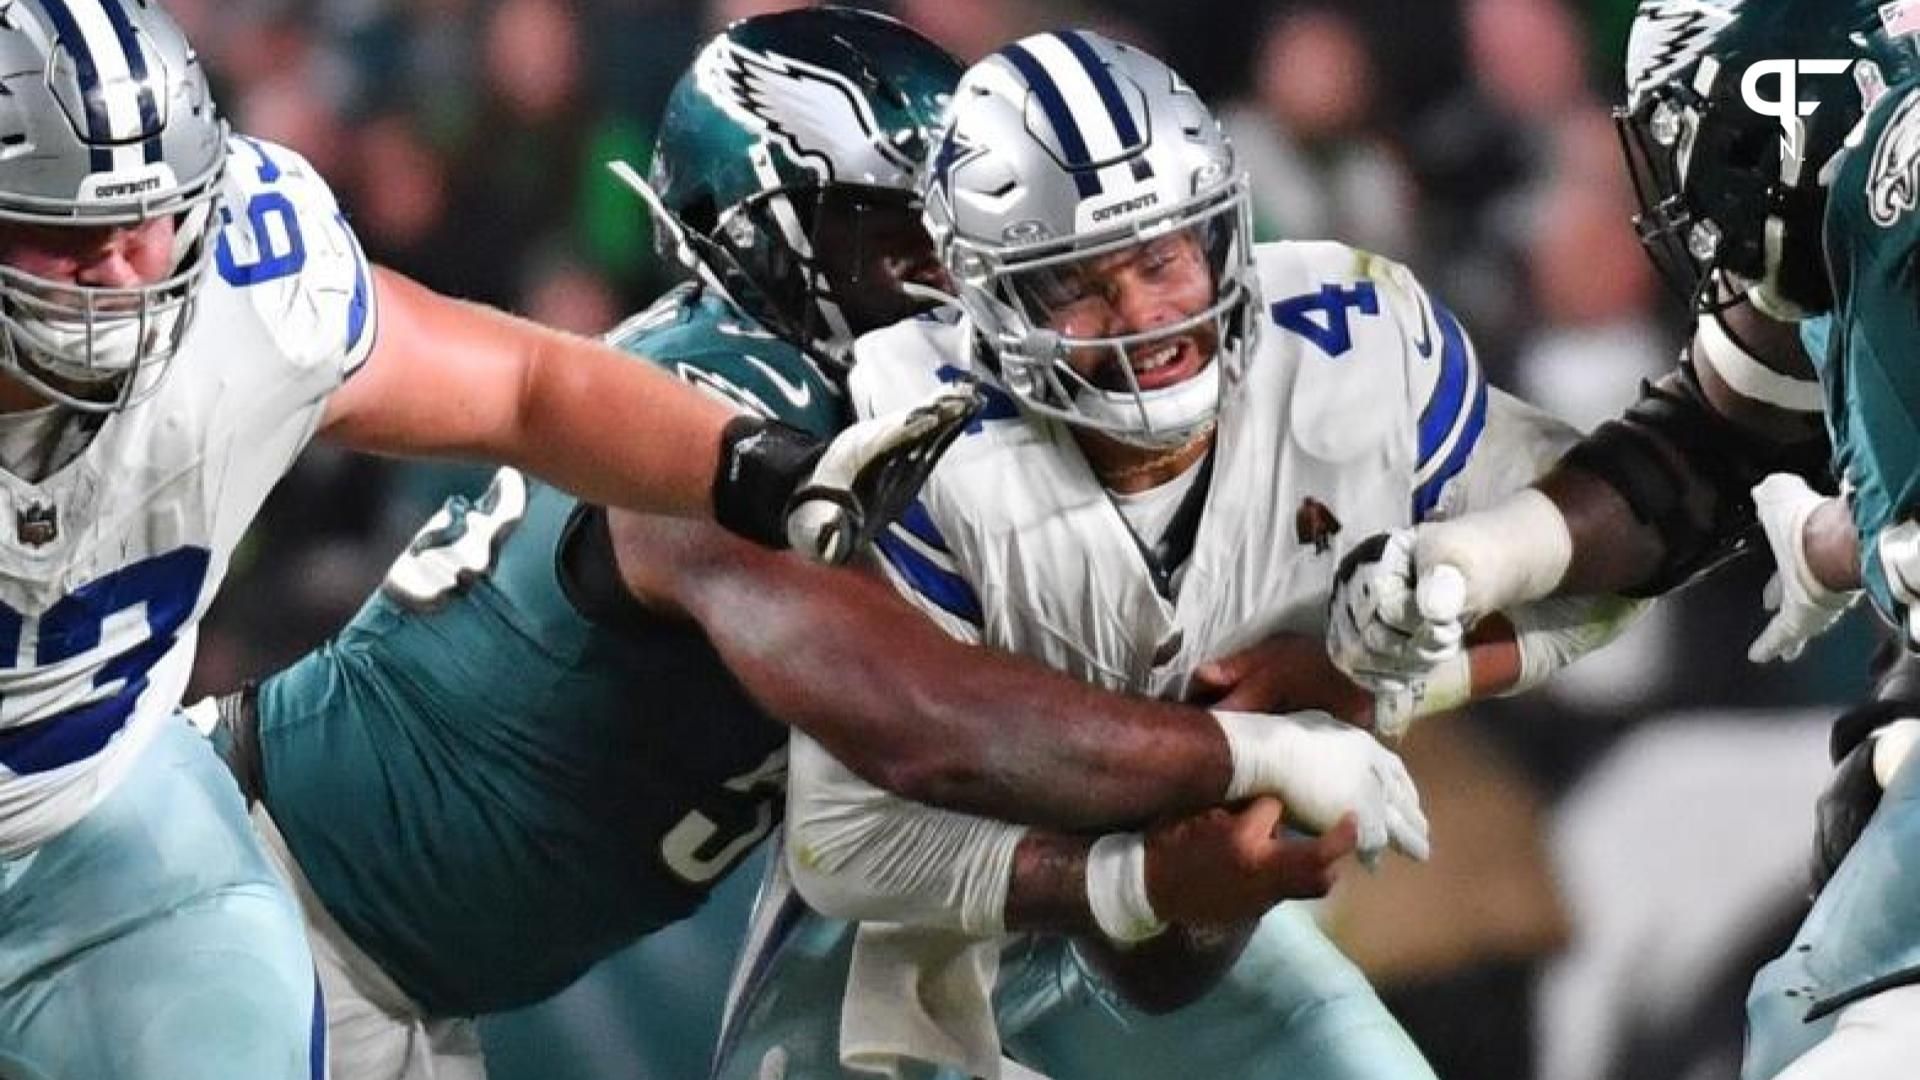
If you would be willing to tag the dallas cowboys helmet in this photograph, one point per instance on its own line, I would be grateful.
(1064, 149)
(1722, 187)
(786, 123)
(105, 119)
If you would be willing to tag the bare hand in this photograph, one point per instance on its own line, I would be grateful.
(1226, 866)
(1284, 673)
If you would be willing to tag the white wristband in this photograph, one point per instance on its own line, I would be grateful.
(1117, 888)
(1509, 554)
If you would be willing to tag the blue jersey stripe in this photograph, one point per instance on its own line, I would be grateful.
(1054, 104)
(1450, 395)
(919, 523)
(1427, 495)
(317, 1034)
(948, 590)
(362, 302)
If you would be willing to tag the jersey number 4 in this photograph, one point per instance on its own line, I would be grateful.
(1321, 317)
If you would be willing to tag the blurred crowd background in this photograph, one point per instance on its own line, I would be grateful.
(1616, 853)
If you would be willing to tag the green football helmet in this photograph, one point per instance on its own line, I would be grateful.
(788, 158)
(1726, 190)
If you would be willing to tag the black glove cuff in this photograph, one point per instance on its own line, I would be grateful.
(1854, 725)
(762, 463)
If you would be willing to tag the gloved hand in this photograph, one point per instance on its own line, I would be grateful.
(1398, 636)
(827, 501)
(1803, 609)
(1323, 770)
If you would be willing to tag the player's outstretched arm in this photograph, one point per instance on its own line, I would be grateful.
(859, 853)
(839, 655)
(450, 378)
(1653, 498)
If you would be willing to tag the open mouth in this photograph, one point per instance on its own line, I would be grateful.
(1157, 366)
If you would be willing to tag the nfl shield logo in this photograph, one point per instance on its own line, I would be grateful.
(37, 524)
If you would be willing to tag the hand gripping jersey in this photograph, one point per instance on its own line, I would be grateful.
(107, 564)
(531, 786)
(1363, 408)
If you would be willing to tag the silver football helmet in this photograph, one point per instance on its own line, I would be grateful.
(1064, 153)
(105, 120)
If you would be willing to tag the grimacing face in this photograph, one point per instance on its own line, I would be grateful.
(1134, 290)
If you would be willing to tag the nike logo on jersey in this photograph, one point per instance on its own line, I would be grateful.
(798, 394)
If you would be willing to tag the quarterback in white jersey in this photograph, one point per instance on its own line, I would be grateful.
(1184, 437)
(180, 312)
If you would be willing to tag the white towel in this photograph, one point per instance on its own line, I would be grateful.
(918, 994)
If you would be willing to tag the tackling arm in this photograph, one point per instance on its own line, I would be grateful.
(840, 656)
(452, 378)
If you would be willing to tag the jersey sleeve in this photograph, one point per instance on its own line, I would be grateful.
(915, 553)
(734, 360)
(1472, 443)
(283, 243)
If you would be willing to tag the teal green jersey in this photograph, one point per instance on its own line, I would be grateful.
(1868, 351)
(492, 783)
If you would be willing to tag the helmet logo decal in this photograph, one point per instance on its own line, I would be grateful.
(1668, 36)
(954, 150)
(812, 113)
(1893, 177)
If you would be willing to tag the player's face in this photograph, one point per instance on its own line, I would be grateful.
(868, 250)
(1135, 290)
(108, 256)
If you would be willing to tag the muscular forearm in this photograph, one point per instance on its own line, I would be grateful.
(838, 655)
(456, 379)
(1048, 891)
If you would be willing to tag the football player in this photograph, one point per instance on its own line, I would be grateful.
(1185, 436)
(552, 730)
(1795, 235)
(181, 310)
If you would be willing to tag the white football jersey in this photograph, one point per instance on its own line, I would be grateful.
(107, 565)
(1363, 408)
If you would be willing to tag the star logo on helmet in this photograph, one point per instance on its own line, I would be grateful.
(954, 151)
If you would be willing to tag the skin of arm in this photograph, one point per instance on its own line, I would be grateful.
(929, 718)
(456, 379)
(1211, 875)
(1614, 551)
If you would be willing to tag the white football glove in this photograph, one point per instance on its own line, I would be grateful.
(872, 471)
(1803, 609)
(1398, 638)
(1322, 769)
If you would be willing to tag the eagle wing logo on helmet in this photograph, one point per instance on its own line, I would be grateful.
(1893, 176)
(817, 115)
(1670, 34)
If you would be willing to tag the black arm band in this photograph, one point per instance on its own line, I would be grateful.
(762, 463)
(1687, 473)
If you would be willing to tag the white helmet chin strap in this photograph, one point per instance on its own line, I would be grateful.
(1155, 419)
